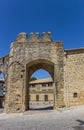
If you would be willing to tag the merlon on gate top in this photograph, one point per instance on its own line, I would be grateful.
(22, 37)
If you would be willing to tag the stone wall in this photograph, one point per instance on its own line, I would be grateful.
(74, 77)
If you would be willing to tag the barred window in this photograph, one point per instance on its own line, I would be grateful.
(46, 97)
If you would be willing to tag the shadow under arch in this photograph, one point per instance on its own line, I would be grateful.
(34, 66)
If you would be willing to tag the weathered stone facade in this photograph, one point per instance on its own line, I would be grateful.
(74, 77)
(28, 55)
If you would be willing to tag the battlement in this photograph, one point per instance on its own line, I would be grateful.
(23, 37)
(46, 36)
(34, 37)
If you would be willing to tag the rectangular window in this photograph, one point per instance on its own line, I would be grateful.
(50, 84)
(75, 95)
(21, 76)
(33, 85)
(29, 97)
(46, 97)
(37, 97)
(43, 85)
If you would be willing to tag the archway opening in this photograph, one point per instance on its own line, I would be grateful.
(40, 92)
(41, 74)
(41, 95)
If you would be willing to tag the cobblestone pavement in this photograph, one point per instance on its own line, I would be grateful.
(62, 119)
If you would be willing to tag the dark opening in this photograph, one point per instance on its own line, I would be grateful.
(75, 95)
(37, 97)
(46, 98)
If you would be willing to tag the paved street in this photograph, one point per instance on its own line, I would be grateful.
(62, 119)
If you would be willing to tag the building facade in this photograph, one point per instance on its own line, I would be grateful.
(41, 92)
(27, 55)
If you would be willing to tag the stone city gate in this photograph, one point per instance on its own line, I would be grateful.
(25, 57)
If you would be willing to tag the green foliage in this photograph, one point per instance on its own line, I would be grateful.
(33, 78)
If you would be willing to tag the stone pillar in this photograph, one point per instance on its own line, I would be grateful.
(26, 90)
(59, 87)
(15, 85)
(15, 88)
(23, 75)
(55, 87)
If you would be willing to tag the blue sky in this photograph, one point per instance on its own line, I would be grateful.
(64, 18)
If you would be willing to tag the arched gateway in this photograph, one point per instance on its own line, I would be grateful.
(26, 56)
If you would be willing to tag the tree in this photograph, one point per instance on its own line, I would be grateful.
(33, 78)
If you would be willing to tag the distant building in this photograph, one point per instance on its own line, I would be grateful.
(2, 89)
(41, 91)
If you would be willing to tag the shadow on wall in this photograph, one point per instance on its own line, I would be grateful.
(1, 110)
(42, 108)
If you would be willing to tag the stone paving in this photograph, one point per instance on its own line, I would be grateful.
(61, 119)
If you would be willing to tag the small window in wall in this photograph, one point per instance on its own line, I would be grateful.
(75, 95)
(37, 97)
(50, 84)
(46, 97)
(33, 85)
(43, 85)
(21, 76)
(29, 97)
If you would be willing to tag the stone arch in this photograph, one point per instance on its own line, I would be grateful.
(41, 63)
(4, 64)
(4, 70)
(2, 73)
(4, 61)
(31, 67)
(1, 66)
